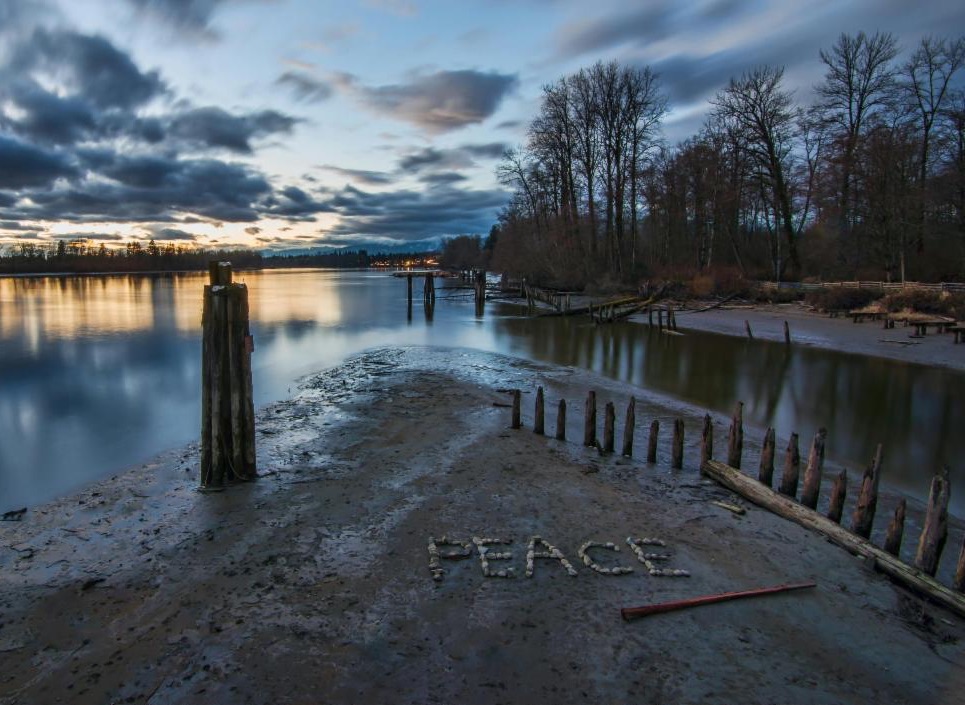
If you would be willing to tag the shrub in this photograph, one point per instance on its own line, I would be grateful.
(841, 297)
(917, 300)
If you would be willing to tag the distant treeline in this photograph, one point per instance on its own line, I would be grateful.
(82, 257)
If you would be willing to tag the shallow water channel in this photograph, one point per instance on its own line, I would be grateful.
(101, 372)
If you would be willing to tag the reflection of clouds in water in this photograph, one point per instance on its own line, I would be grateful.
(87, 393)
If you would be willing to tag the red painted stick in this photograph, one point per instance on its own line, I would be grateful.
(629, 613)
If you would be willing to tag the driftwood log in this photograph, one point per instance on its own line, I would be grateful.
(911, 577)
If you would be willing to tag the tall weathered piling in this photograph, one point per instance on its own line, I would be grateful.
(838, 491)
(787, 334)
(479, 284)
(652, 441)
(707, 440)
(896, 530)
(516, 404)
(538, 415)
(589, 422)
(864, 510)
(227, 402)
(735, 441)
(958, 582)
(561, 421)
(677, 446)
(747, 327)
(629, 427)
(765, 472)
(811, 488)
(934, 532)
(792, 468)
(609, 421)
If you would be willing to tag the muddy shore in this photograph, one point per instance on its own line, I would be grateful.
(819, 330)
(313, 583)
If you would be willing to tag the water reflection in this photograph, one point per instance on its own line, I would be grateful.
(99, 373)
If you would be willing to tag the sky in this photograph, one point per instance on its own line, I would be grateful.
(298, 124)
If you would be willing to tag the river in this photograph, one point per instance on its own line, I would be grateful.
(102, 372)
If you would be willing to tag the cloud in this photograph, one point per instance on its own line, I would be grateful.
(402, 8)
(437, 102)
(444, 178)
(490, 150)
(253, 230)
(362, 176)
(172, 234)
(639, 26)
(431, 158)
(214, 127)
(192, 18)
(23, 165)
(305, 87)
(46, 117)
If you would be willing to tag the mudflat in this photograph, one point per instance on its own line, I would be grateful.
(313, 584)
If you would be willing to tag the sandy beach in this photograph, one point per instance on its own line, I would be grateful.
(313, 584)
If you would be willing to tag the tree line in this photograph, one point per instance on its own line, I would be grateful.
(867, 181)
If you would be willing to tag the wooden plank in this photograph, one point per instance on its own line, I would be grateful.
(907, 575)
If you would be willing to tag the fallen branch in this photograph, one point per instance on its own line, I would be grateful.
(629, 613)
(903, 573)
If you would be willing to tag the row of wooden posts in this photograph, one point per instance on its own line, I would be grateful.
(935, 529)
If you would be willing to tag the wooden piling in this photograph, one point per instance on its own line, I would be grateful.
(707, 440)
(227, 406)
(787, 334)
(811, 488)
(864, 510)
(589, 422)
(765, 472)
(629, 427)
(735, 441)
(538, 420)
(609, 421)
(934, 531)
(896, 530)
(677, 446)
(792, 468)
(561, 421)
(652, 442)
(747, 327)
(517, 396)
(958, 582)
(650, 315)
(838, 491)
(660, 319)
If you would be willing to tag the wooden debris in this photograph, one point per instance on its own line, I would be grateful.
(747, 327)
(14, 515)
(864, 511)
(629, 613)
(629, 427)
(792, 468)
(815, 467)
(740, 511)
(958, 582)
(909, 576)
(735, 441)
(934, 532)
(896, 529)
(707, 440)
(838, 491)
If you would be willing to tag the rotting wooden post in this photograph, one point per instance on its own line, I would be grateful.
(660, 319)
(792, 468)
(765, 472)
(670, 325)
(650, 315)
(652, 442)
(227, 401)
(707, 440)
(517, 395)
(747, 327)
(408, 286)
(864, 510)
(958, 582)
(589, 422)
(838, 492)
(538, 421)
(561, 421)
(609, 421)
(629, 426)
(735, 442)
(934, 531)
(677, 446)
(787, 334)
(896, 530)
(811, 488)
(480, 286)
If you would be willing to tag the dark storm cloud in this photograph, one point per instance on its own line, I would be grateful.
(23, 165)
(12, 225)
(214, 127)
(189, 17)
(90, 67)
(444, 178)
(437, 102)
(491, 150)
(462, 157)
(306, 88)
(413, 215)
(171, 234)
(47, 117)
(362, 176)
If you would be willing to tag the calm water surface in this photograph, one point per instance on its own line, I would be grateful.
(99, 373)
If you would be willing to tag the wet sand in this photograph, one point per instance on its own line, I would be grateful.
(809, 327)
(313, 583)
